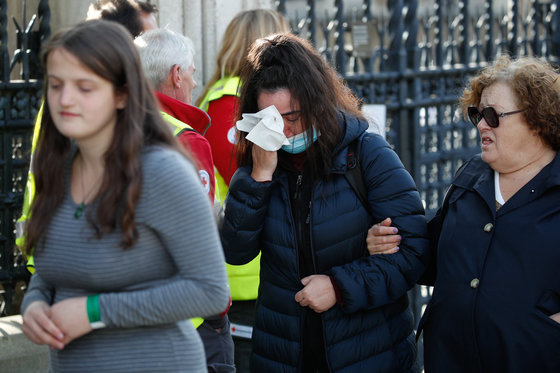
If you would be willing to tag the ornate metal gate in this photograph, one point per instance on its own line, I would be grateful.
(20, 98)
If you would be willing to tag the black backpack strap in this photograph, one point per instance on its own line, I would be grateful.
(353, 172)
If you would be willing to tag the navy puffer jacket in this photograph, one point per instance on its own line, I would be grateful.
(372, 330)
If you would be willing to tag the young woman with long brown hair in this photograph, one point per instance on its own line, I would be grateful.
(124, 238)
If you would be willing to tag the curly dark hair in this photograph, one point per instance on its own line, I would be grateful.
(536, 86)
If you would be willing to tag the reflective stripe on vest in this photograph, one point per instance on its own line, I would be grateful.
(225, 86)
(241, 331)
(178, 126)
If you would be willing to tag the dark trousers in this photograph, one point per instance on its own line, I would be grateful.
(242, 313)
(218, 345)
(314, 358)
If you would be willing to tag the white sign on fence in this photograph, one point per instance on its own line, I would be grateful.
(376, 116)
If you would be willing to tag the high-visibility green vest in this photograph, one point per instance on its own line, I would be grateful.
(226, 86)
(28, 196)
(178, 126)
(243, 279)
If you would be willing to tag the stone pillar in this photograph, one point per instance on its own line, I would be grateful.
(66, 13)
(204, 21)
(186, 17)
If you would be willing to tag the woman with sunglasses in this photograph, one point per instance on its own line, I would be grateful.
(324, 304)
(495, 252)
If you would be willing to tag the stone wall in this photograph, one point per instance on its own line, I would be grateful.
(204, 21)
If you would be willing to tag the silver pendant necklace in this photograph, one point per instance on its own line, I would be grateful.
(80, 209)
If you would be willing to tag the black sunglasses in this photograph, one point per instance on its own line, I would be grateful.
(489, 114)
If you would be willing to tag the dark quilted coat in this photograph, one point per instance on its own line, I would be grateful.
(372, 331)
(497, 278)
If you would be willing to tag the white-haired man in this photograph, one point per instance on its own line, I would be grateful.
(168, 61)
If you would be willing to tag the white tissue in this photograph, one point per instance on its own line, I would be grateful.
(265, 128)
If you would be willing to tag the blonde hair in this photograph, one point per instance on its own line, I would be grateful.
(241, 32)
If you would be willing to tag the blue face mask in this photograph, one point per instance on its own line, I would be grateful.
(299, 143)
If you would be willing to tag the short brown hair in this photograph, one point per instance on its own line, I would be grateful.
(536, 86)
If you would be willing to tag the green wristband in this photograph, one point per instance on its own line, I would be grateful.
(92, 307)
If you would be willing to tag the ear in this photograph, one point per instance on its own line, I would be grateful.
(121, 99)
(176, 78)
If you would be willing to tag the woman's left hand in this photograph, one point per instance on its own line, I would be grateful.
(556, 317)
(70, 315)
(318, 293)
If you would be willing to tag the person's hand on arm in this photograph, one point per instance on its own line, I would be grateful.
(264, 164)
(40, 328)
(556, 317)
(378, 280)
(318, 293)
(71, 317)
(383, 239)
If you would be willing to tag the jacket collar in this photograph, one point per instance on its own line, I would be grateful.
(553, 178)
(188, 114)
(479, 176)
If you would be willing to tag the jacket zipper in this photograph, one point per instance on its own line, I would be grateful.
(308, 221)
(296, 194)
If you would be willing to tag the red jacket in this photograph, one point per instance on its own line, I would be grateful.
(193, 141)
(221, 134)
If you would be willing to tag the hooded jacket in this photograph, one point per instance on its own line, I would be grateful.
(371, 329)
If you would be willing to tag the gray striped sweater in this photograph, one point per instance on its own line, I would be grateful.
(176, 271)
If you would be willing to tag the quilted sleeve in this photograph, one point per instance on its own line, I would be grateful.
(377, 280)
(244, 215)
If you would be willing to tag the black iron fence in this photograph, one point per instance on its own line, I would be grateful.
(413, 58)
(20, 98)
